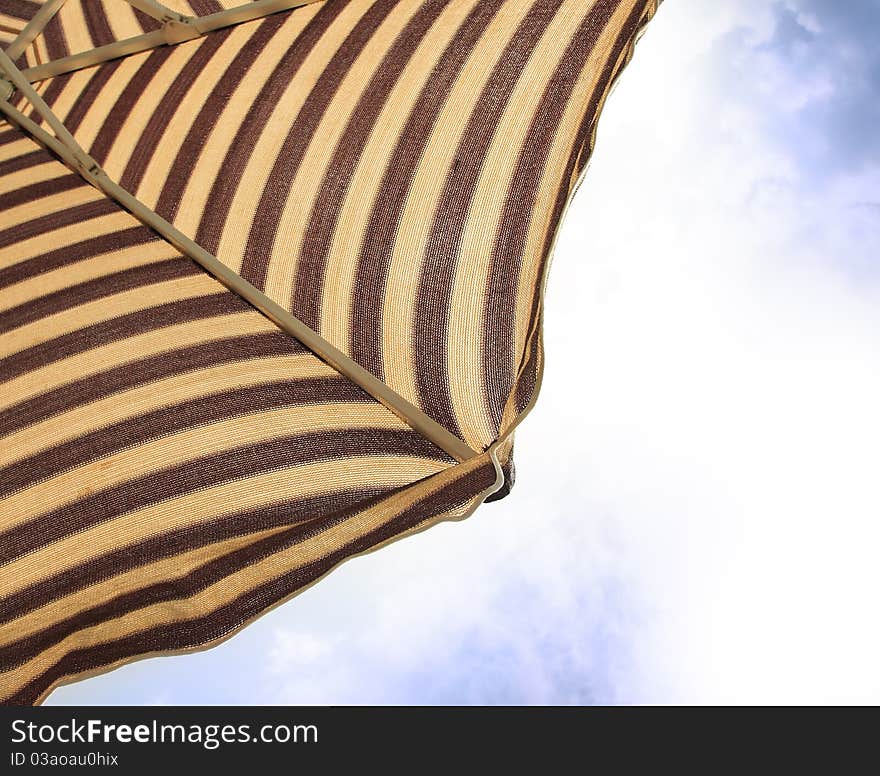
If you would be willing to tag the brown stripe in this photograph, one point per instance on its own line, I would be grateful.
(52, 92)
(152, 135)
(308, 284)
(72, 215)
(198, 630)
(38, 58)
(173, 419)
(19, 101)
(29, 159)
(300, 514)
(444, 242)
(56, 40)
(128, 97)
(500, 362)
(146, 23)
(373, 263)
(269, 210)
(204, 123)
(10, 135)
(206, 472)
(70, 254)
(242, 145)
(117, 329)
(90, 95)
(528, 380)
(35, 191)
(95, 15)
(19, 9)
(73, 296)
(205, 7)
(148, 370)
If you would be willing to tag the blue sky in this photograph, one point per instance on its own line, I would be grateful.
(704, 527)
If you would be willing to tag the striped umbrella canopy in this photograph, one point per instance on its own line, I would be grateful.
(270, 293)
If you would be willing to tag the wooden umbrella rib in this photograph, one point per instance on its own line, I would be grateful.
(68, 149)
(121, 48)
(34, 27)
(18, 81)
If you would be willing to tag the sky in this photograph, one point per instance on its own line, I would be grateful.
(697, 494)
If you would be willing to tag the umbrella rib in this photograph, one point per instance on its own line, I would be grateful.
(68, 149)
(33, 28)
(159, 12)
(176, 29)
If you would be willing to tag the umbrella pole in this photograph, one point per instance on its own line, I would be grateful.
(68, 149)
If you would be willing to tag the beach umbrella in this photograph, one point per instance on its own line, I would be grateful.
(271, 285)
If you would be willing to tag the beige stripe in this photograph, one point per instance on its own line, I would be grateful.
(55, 203)
(266, 148)
(41, 88)
(28, 54)
(165, 571)
(122, 21)
(99, 110)
(42, 51)
(175, 131)
(236, 584)
(68, 235)
(404, 272)
(182, 7)
(208, 167)
(74, 85)
(104, 309)
(193, 509)
(38, 174)
(296, 214)
(17, 147)
(12, 21)
(168, 570)
(344, 252)
(83, 271)
(161, 393)
(121, 152)
(73, 22)
(154, 455)
(131, 349)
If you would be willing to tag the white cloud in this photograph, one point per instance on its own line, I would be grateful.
(729, 412)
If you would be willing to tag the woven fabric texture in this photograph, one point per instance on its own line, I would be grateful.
(393, 173)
